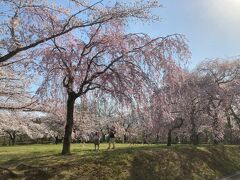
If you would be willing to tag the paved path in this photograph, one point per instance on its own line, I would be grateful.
(235, 176)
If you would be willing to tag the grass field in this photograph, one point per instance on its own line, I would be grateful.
(126, 162)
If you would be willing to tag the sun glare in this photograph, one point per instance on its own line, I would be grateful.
(227, 9)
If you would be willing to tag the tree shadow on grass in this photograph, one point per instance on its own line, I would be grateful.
(184, 162)
(147, 162)
(107, 164)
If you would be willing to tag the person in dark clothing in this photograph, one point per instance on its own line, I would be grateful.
(96, 140)
(112, 133)
(56, 140)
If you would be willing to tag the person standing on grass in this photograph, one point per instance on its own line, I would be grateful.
(112, 133)
(96, 140)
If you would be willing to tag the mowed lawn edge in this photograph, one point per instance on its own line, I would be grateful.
(125, 162)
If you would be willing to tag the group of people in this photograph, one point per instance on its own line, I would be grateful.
(111, 138)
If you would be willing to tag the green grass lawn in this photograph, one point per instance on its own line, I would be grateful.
(126, 162)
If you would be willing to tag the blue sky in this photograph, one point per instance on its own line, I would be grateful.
(212, 27)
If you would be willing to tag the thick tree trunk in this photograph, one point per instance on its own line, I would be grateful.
(157, 139)
(194, 135)
(125, 138)
(215, 129)
(13, 138)
(177, 125)
(103, 136)
(69, 124)
(11, 141)
(229, 125)
(194, 138)
(169, 142)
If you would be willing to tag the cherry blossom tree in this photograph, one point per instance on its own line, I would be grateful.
(166, 102)
(54, 124)
(25, 24)
(14, 88)
(14, 123)
(193, 106)
(29, 24)
(100, 57)
(106, 110)
(106, 60)
(219, 80)
(85, 121)
(127, 121)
